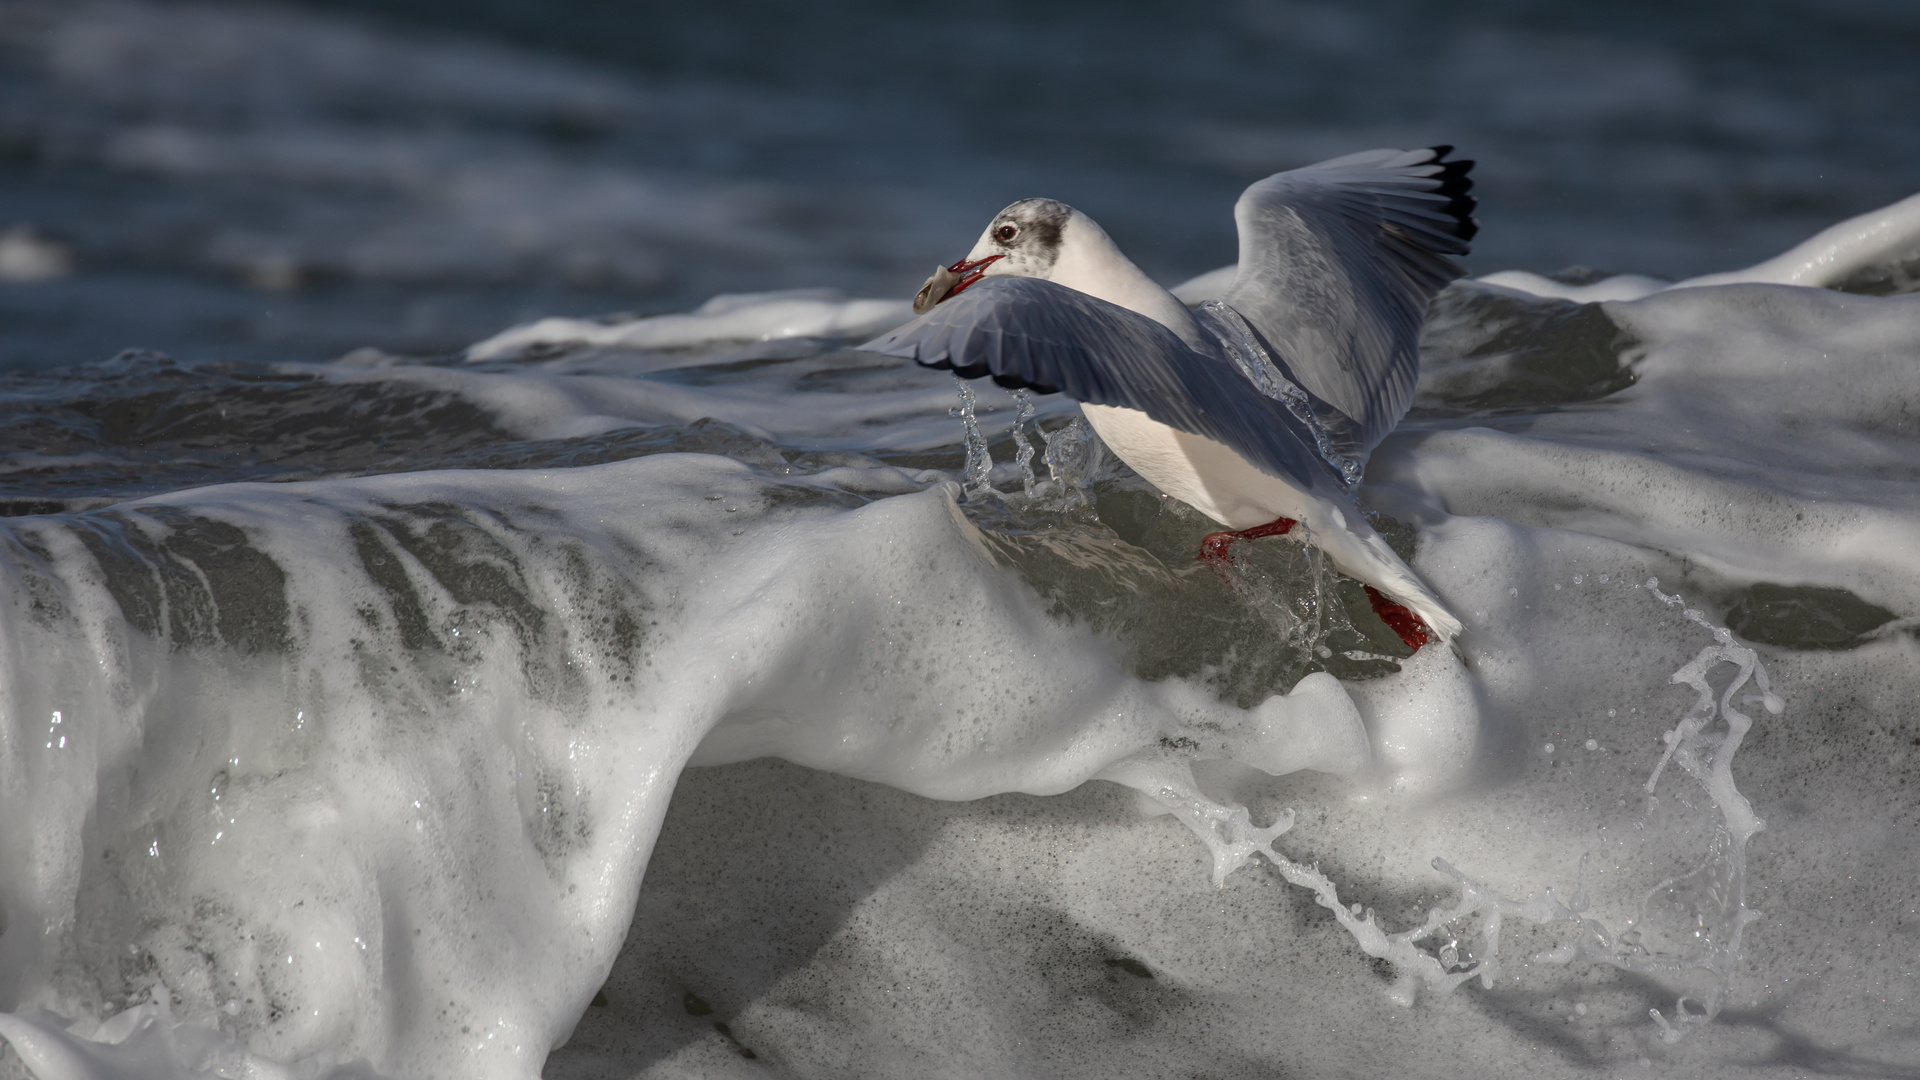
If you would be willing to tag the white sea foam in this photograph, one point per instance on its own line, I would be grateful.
(1688, 923)
(1612, 287)
(438, 768)
(1878, 248)
(803, 398)
(754, 317)
(1767, 436)
(673, 370)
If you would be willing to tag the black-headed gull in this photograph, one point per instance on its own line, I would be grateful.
(1258, 409)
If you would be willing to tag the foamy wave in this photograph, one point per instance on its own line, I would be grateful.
(360, 775)
(1877, 253)
(745, 317)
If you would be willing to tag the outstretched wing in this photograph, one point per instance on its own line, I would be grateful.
(1029, 332)
(1338, 262)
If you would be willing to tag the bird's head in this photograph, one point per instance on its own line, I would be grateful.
(1024, 240)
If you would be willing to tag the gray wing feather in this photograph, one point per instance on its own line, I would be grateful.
(1338, 262)
(1029, 332)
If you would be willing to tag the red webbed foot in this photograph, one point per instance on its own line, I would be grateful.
(1399, 619)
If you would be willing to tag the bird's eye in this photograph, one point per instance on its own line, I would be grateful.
(1006, 233)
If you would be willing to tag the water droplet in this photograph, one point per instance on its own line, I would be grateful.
(1593, 744)
(1549, 748)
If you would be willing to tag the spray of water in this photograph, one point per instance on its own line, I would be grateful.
(1710, 898)
(1073, 455)
(1299, 606)
(979, 462)
(1023, 446)
(1073, 461)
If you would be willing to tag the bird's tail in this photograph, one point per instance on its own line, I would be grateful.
(1362, 554)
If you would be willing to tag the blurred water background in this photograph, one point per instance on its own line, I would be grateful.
(291, 181)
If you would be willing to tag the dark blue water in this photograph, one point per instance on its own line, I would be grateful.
(265, 182)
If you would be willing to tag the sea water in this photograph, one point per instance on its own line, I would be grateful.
(699, 696)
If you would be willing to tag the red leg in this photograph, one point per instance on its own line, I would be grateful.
(1400, 620)
(1213, 547)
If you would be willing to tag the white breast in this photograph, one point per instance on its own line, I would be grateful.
(1196, 470)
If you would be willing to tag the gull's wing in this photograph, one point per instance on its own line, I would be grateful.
(1337, 264)
(1028, 332)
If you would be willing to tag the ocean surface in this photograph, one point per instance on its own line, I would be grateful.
(469, 609)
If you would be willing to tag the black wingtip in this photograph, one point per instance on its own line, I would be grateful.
(980, 370)
(1455, 183)
(1015, 382)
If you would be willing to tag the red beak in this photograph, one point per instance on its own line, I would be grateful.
(969, 272)
(948, 281)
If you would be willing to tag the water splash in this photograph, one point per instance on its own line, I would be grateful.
(1073, 455)
(979, 462)
(1023, 447)
(1299, 605)
(1713, 895)
(1073, 460)
(1709, 901)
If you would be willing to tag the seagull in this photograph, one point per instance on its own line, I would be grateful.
(1258, 409)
